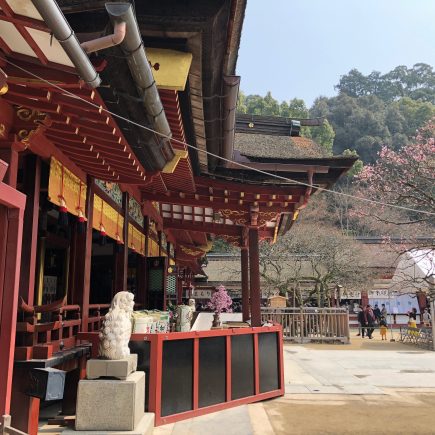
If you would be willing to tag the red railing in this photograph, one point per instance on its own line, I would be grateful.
(96, 316)
(195, 373)
(46, 329)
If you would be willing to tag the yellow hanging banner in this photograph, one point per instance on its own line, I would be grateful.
(66, 190)
(153, 248)
(107, 220)
(136, 240)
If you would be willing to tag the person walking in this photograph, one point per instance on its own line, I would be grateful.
(426, 318)
(370, 320)
(362, 322)
(383, 328)
(358, 310)
(377, 313)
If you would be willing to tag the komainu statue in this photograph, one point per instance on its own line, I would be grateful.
(116, 330)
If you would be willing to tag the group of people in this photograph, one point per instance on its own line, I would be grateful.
(369, 318)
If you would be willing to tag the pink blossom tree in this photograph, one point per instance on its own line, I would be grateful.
(220, 301)
(405, 177)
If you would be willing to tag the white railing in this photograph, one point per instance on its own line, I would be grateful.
(307, 324)
(421, 337)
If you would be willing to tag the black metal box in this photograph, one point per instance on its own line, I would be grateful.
(47, 384)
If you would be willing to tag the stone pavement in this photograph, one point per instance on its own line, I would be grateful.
(367, 387)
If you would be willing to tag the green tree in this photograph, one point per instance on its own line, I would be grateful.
(324, 135)
(357, 166)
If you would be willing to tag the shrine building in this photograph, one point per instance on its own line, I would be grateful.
(118, 169)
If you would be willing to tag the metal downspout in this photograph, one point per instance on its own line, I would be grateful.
(56, 21)
(140, 69)
(231, 92)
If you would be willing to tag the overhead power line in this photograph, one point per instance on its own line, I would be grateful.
(240, 165)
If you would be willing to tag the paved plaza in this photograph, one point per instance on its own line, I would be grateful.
(368, 387)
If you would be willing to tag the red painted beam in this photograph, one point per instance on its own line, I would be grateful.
(218, 229)
(216, 204)
(11, 222)
(245, 282)
(31, 187)
(254, 275)
(249, 188)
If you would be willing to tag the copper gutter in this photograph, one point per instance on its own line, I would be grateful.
(108, 41)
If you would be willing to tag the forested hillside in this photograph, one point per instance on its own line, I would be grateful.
(377, 117)
(368, 112)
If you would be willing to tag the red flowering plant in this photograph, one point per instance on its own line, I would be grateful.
(220, 301)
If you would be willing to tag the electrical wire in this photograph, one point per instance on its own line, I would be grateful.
(240, 165)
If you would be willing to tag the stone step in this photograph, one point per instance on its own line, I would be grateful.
(144, 427)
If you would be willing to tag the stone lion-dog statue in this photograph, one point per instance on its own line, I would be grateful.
(116, 330)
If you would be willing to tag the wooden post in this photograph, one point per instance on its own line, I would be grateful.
(432, 311)
(11, 227)
(245, 282)
(141, 267)
(254, 277)
(165, 281)
(159, 233)
(121, 262)
(10, 155)
(83, 258)
(32, 186)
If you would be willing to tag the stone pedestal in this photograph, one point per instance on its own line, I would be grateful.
(120, 368)
(107, 404)
(111, 406)
(145, 427)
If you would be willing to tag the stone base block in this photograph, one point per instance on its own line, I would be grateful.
(117, 368)
(110, 405)
(144, 427)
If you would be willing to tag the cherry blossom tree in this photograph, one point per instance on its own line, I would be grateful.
(405, 178)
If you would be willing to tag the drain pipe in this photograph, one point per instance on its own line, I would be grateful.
(108, 41)
(140, 69)
(57, 23)
(231, 91)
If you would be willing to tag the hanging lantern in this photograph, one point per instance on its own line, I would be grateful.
(118, 246)
(81, 226)
(80, 215)
(103, 238)
(63, 212)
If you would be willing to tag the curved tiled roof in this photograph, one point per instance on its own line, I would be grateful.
(262, 145)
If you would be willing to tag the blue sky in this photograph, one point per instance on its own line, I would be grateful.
(301, 48)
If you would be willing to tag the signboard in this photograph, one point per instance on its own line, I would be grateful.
(350, 294)
(50, 285)
(378, 294)
(202, 294)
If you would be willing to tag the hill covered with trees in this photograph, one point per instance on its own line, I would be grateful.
(369, 111)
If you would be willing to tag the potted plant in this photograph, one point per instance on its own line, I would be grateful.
(220, 302)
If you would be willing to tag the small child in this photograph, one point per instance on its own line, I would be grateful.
(383, 327)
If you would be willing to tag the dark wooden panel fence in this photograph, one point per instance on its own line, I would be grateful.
(195, 373)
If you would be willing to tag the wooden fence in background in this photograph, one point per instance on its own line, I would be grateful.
(310, 324)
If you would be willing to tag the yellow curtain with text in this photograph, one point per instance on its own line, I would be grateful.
(66, 190)
(136, 239)
(153, 248)
(107, 220)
